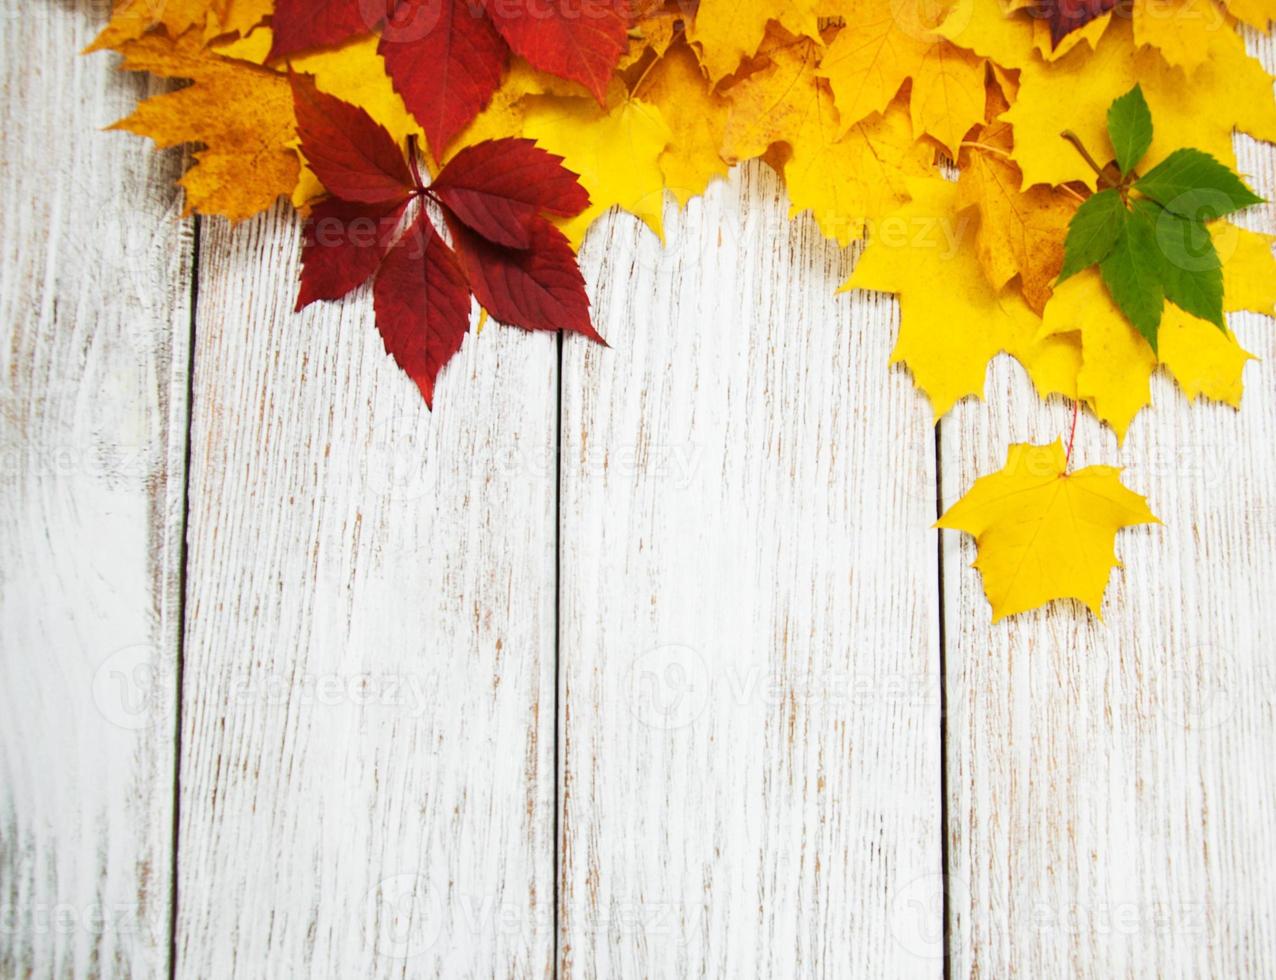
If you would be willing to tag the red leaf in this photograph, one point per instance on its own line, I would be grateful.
(422, 304)
(577, 39)
(537, 288)
(499, 187)
(302, 24)
(494, 190)
(1065, 16)
(445, 59)
(353, 155)
(343, 245)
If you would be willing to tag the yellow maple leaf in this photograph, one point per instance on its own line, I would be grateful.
(131, 19)
(1086, 36)
(252, 46)
(241, 113)
(947, 98)
(871, 58)
(1021, 231)
(240, 17)
(1117, 363)
(1256, 13)
(991, 31)
(728, 31)
(1229, 90)
(653, 31)
(1032, 33)
(504, 114)
(952, 320)
(615, 149)
(696, 118)
(354, 72)
(1043, 533)
(1249, 270)
(1175, 28)
(843, 180)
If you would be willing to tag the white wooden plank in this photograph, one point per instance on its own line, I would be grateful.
(750, 733)
(1112, 802)
(367, 754)
(94, 302)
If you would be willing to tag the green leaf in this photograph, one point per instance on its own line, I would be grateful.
(1092, 232)
(1192, 183)
(1130, 128)
(1191, 271)
(1132, 273)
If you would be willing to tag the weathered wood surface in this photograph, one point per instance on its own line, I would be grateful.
(94, 298)
(668, 705)
(367, 765)
(1110, 789)
(748, 640)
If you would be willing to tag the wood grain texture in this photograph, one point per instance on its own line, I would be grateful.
(367, 753)
(1111, 795)
(94, 302)
(750, 732)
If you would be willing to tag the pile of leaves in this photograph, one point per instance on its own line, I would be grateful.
(458, 150)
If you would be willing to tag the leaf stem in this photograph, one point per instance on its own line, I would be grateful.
(1077, 145)
(1072, 435)
(995, 150)
(633, 91)
(416, 172)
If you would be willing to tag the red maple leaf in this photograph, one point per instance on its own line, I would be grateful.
(446, 57)
(1065, 16)
(493, 196)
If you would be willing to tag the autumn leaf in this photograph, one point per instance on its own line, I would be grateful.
(302, 24)
(446, 57)
(1021, 230)
(726, 32)
(447, 73)
(1256, 13)
(422, 304)
(577, 39)
(133, 19)
(1117, 364)
(536, 116)
(844, 179)
(696, 116)
(947, 336)
(988, 29)
(494, 197)
(1154, 247)
(616, 150)
(1249, 271)
(867, 63)
(242, 114)
(1226, 92)
(354, 156)
(1066, 16)
(1044, 533)
(653, 31)
(1174, 28)
(354, 72)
